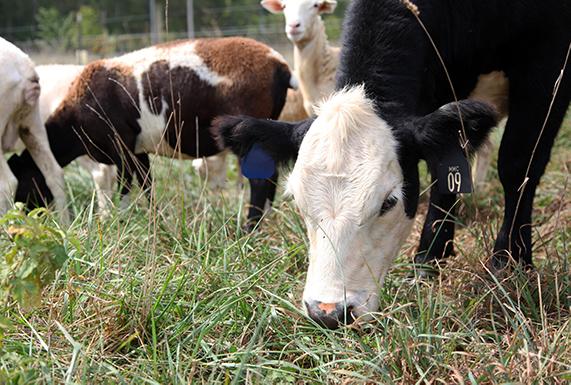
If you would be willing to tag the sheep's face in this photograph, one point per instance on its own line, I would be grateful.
(300, 15)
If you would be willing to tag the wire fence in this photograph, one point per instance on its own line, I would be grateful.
(268, 29)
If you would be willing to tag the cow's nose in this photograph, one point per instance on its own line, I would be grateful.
(330, 315)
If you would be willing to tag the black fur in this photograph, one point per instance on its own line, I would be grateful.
(385, 48)
(441, 128)
(280, 139)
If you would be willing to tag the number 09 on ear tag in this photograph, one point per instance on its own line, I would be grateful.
(454, 174)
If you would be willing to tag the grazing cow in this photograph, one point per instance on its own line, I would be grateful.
(20, 119)
(162, 100)
(356, 179)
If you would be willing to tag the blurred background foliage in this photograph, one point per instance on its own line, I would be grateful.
(108, 26)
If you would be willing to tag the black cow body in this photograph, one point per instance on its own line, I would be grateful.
(386, 50)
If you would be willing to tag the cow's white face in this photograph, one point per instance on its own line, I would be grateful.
(347, 183)
(300, 15)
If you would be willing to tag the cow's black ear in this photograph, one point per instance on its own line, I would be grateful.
(442, 130)
(445, 137)
(281, 140)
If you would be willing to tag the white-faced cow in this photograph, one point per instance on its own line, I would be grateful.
(162, 100)
(356, 179)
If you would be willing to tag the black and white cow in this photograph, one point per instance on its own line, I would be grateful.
(356, 179)
(162, 100)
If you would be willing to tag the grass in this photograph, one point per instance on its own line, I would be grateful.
(172, 293)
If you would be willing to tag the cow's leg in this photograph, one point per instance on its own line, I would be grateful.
(125, 174)
(438, 230)
(103, 178)
(262, 194)
(525, 151)
(8, 182)
(33, 134)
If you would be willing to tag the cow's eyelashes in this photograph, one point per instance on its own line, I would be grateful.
(388, 204)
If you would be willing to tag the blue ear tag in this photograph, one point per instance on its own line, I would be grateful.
(257, 164)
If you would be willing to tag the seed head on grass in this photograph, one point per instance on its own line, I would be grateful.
(411, 7)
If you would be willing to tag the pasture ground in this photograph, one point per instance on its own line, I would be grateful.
(172, 293)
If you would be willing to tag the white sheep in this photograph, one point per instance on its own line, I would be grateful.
(315, 61)
(20, 119)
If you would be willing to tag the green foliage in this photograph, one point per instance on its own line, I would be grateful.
(34, 251)
(55, 29)
(66, 31)
(90, 23)
(56, 21)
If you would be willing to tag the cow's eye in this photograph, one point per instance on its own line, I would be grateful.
(388, 204)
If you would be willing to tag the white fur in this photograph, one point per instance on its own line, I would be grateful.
(347, 166)
(19, 93)
(55, 81)
(177, 55)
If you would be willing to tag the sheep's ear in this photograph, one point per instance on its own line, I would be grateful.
(274, 6)
(327, 6)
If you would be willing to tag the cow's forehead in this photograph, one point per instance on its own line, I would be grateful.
(349, 151)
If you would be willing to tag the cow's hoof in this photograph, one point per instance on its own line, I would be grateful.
(425, 267)
(498, 264)
(502, 263)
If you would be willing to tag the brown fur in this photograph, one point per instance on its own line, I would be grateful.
(293, 110)
(229, 57)
(81, 85)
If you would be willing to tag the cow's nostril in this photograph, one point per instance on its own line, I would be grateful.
(330, 315)
(327, 308)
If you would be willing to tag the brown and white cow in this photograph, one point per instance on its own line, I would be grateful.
(162, 100)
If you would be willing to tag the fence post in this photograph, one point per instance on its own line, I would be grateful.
(190, 18)
(153, 22)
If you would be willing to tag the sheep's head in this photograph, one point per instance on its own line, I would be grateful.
(300, 15)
